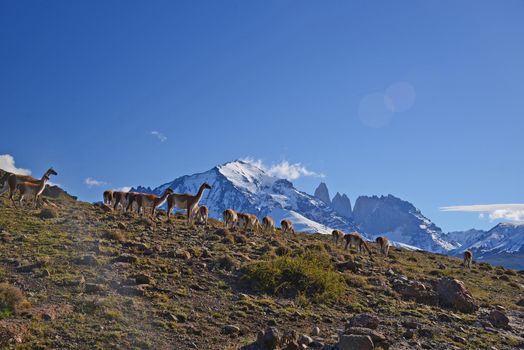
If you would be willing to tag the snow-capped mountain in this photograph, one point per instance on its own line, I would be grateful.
(400, 221)
(244, 187)
(503, 245)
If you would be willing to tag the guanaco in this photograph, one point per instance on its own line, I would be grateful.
(287, 226)
(468, 258)
(14, 179)
(202, 214)
(268, 224)
(337, 236)
(230, 218)
(30, 189)
(248, 221)
(186, 201)
(108, 197)
(383, 244)
(145, 201)
(355, 239)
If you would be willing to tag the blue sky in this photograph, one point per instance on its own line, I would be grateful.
(420, 99)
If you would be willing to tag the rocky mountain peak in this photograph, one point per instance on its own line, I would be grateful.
(322, 193)
(342, 205)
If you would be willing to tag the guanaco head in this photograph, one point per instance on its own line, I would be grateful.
(206, 185)
(168, 191)
(51, 171)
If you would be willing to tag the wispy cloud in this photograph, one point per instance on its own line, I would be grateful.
(284, 169)
(7, 163)
(90, 182)
(513, 212)
(161, 137)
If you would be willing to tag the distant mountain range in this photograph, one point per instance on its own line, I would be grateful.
(244, 187)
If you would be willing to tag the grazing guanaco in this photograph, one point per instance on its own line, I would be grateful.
(268, 224)
(468, 258)
(337, 236)
(355, 239)
(30, 189)
(287, 226)
(230, 218)
(202, 215)
(13, 180)
(186, 201)
(383, 244)
(108, 197)
(248, 221)
(146, 200)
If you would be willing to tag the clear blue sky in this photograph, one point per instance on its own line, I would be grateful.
(83, 85)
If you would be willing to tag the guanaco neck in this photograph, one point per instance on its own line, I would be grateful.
(200, 193)
(162, 199)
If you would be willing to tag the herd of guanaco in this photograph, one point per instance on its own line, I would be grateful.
(30, 187)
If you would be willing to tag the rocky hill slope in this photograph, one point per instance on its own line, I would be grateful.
(75, 276)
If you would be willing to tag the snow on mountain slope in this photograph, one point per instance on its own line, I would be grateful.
(244, 187)
(505, 237)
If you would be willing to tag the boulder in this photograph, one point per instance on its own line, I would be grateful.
(269, 339)
(498, 319)
(453, 294)
(376, 336)
(364, 321)
(355, 342)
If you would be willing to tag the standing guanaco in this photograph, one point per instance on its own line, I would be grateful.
(202, 215)
(248, 221)
(30, 189)
(268, 224)
(14, 179)
(145, 201)
(230, 218)
(468, 258)
(287, 226)
(355, 239)
(186, 201)
(383, 244)
(337, 236)
(108, 197)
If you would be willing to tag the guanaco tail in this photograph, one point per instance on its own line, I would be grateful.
(337, 236)
(186, 201)
(268, 224)
(202, 215)
(230, 218)
(383, 244)
(287, 226)
(468, 258)
(356, 240)
(108, 197)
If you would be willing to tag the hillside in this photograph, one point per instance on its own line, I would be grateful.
(91, 279)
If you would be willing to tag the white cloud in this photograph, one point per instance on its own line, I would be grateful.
(7, 163)
(513, 212)
(159, 135)
(90, 182)
(284, 169)
(123, 189)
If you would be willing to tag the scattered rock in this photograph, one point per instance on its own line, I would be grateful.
(520, 302)
(87, 260)
(126, 258)
(142, 279)
(376, 336)
(48, 213)
(315, 331)
(305, 339)
(365, 321)
(415, 290)
(182, 254)
(498, 319)
(230, 329)
(355, 342)
(453, 294)
(269, 339)
(122, 226)
(130, 291)
(93, 288)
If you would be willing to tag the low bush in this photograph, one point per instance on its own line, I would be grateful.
(311, 274)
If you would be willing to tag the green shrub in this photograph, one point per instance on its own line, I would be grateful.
(10, 299)
(310, 274)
